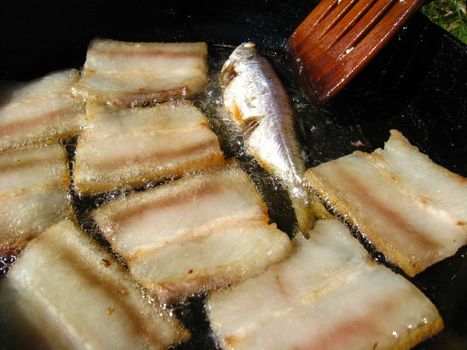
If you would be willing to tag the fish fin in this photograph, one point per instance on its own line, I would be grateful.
(308, 213)
(319, 209)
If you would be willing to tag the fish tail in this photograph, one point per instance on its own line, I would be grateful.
(308, 212)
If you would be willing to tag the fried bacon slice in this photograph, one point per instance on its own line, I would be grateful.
(130, 146)
(326, 295)
(135, 73)
(33, 193)
(411, 209)
(194, 234)
(39, 111)
(66, 292)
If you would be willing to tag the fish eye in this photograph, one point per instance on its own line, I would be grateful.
(245, 53)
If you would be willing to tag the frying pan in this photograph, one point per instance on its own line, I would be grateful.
(417, 84)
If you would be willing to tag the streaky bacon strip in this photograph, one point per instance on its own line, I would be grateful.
(71, 293)
(194, 234)
(39, 111)
(130, 146)
(326, 295)
(411, 209)
(207, 259)
(33, 193)
(129, 73)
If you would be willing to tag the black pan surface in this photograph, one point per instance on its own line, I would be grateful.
(417, 84)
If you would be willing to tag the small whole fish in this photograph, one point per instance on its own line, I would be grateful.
(258, 101)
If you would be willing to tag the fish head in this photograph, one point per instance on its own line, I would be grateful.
(243, 52)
